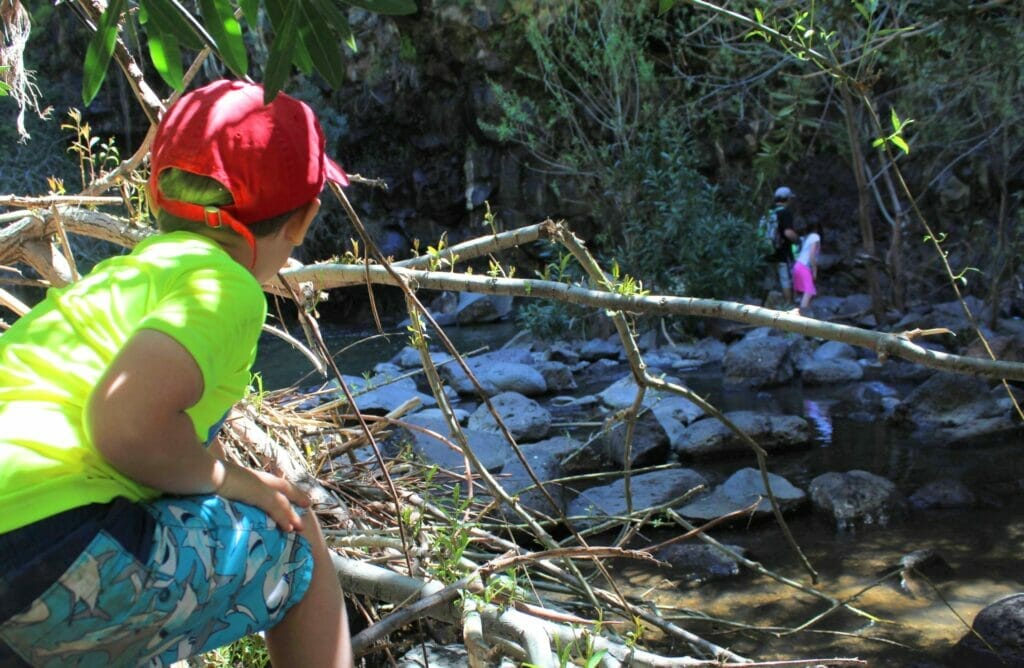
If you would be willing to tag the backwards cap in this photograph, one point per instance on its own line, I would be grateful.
(270, 157)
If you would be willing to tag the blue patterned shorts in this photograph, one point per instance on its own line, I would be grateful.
(217, 570)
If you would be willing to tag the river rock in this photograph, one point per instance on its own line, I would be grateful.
(830, 371)
(495, 377)
(1001, 624)
(835, 350)
(675, 413)
(709, 437)
(490, 447)
(596, 349)
(525, 419)
(951, 408)
(380, 394)
(562, 351)
(622, 393)
(759, 359)
(558, 376)
(706, 351)
(409, 358)
(857, 498)
(740, 491)
(543, 457)
(647, 489)
(649, 446)
(474, 307)
(945, 493)
(699, 562)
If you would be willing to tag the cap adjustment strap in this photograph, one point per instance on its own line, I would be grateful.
(211, 216)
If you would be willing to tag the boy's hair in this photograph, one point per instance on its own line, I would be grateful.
(205, 191)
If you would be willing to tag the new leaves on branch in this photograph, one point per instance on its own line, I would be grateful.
(305, 33)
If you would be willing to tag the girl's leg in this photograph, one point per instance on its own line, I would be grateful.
(314, 632)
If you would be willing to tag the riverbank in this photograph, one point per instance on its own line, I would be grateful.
(841, 420)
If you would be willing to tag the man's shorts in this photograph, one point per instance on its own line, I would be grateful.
(214, 571)
(783, 272)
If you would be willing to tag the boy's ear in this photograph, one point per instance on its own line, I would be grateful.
(297, 226)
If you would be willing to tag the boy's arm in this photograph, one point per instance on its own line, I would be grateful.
(136, 418)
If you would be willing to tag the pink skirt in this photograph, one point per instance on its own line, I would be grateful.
(803, 282)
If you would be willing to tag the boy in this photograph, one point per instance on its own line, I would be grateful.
(124, 541)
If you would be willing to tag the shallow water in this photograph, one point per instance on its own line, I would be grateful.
(983, 546)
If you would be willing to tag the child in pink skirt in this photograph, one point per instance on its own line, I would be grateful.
(805, 269)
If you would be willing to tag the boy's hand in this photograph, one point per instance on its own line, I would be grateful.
(271, 494)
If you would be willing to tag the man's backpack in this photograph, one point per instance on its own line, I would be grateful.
(770, 231)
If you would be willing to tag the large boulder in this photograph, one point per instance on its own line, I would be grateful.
(650, 445)
(525, 419)
(380, 394)
(710, 438)
(543, 458)
(830, 371)
(1001, 627)
(759, 359)
(699, 562)
(490, 447)
(944, 493)
(953, 409)
(741, 490)
(647, 490)
(495, 376)
(857, 499)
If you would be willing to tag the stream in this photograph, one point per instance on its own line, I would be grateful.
(912, 625)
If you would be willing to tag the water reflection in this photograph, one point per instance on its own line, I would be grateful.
(817, 414)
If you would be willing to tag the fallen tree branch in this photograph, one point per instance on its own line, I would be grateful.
(328, 276)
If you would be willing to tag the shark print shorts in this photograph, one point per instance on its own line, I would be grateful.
(217, 570)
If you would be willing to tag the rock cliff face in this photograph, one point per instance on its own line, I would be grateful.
(418, 87)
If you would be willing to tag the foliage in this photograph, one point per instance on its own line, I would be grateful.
(678, 234)
(608, 119)
(306, 33)
(247, 652)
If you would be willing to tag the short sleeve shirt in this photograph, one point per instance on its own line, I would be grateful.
(181, 284)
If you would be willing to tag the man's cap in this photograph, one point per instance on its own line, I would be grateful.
(270, 157)
(783, 192)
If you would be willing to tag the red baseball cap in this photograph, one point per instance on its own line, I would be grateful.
(270, 157)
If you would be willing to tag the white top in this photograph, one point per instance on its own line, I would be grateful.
(809, 250)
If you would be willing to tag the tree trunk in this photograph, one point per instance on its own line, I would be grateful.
(863, 205)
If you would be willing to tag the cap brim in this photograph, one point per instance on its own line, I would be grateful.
(335, 173)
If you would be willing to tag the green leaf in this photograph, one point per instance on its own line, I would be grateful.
(101, 48)
(166, 56)
(878, 142)
(392, 7)
(220, 21)
(665, 5)
(279, 62)
(337, 20)
(901, 144)
(165, 17)
(322, 45)
(894, 119)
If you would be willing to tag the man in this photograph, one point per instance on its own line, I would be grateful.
(785, 236)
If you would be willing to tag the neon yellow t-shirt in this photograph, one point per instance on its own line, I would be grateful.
(181, 284)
